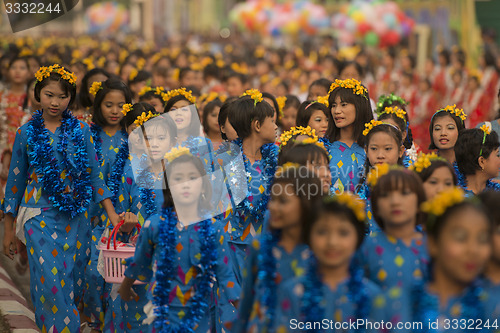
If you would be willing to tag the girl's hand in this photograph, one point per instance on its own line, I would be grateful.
(9, 237)
(126, 291)
(131, 221)
(114, 219)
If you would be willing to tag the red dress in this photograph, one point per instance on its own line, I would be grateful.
(425, 107)
(11, 113)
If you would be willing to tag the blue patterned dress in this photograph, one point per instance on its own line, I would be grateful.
(226, 290)
(389, 262)
(93, 297)
(251, 311)
(58, 246)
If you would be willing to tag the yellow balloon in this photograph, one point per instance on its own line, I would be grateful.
(358, 17)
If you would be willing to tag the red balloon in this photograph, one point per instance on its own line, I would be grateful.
(391, 38)
(363, 28)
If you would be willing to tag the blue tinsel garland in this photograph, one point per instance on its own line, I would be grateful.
(462, 181)
(166, 273)
(96, 135)
(45, 163)
(426, 308)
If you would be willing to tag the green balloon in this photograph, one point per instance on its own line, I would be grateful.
(371, 39)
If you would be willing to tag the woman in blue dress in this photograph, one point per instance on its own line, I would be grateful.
(350, 110)
(110, 142)
(190, 251)
(53, 176)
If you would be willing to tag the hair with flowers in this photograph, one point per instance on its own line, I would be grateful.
(295, 131)
(133, 74)
(156, 90)
(281, 105)
(352, 201)
(369, 126)
(254, 94)
(438, 205)
(96, 86)
(313, 141)
(400, 113)
(353, 84)
(323, 100)
(44, 72)
(144, 117)
(179, 92)
(424, 161)
(289, 165)
(486, 131)
(390, 100)
(207, 98)
(126, 108)
(176, 152)
(376, 172)
(455, 111)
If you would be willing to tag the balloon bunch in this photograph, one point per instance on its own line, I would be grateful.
(106, 16)
(268, 17)
(375, 22)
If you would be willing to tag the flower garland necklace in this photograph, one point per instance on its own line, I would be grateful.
(426, 307)
(270, 161)
(121, 157)
(167, 271)
(311, 307)
(45, 163)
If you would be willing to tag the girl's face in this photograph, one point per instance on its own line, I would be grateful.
(284, 206)
(186, 184)
(333, 240)
(492, 164)
(440, 180)
(99, 77)
(463, 247)
(189, 79)
(289, 116)
(319, 123)
(53, 99)
(111, 107)
(157, 104)
(268, 130)
(19, 72)
(213, 120)
(343, 113)
(316, 91)
(350, 72)
(382, 148)
(159, 141)
(399, 207)
(229, 131)
(321, 169)
(444, 132)
(234, 86)
(181, 115)
(126, 70)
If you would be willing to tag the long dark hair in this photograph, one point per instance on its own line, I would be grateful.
(107, 86)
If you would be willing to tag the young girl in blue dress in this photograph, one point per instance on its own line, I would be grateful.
(190, 251)
(180, 105)
(333, 287)
(436, 173)
(453, 297)
(254, 123)
(279, 254)
(478, 160)
(110, 142)
(350, 110)
(397, 254)
(315, 115)
(53, 176)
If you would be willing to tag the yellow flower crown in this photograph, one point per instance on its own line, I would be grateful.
(157, 91)
(400, 113)
(254, 94)
(144, 117)
(323, 100)
(313, 141)
(177, 152)
(424, 161)
(353, 84)
(455, 111)
(376, 172)
(295, 131)
(96, 86)
(353, 202)
(133, 74)
(281, 104)
(369, 126)
(444, 200)
(126, 108)
(178, 92)
(289, 165)
(44, 72)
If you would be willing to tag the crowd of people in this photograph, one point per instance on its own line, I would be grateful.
(263, 190)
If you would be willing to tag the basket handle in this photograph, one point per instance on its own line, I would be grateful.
(115, 230)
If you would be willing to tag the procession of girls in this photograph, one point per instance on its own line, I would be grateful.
(340, 219)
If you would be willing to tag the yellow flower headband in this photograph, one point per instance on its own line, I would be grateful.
(314, 141)
(126, 108)
(44, 72)
(444, 200)
(157, 91)
(177, 152)
(454, 111)
(353, 202)
(376, 172)
(369, 126)
(289, 165)
(295, 131)
(424, 161)
(353, 84)
(144, 117)
(281, 104)
(179, 92)
(96, 86)
(254, 94)
(400, 113)
(323, 100)
(486, 131)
